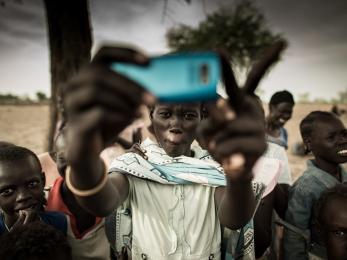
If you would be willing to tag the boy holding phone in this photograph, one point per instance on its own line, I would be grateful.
(100, 103)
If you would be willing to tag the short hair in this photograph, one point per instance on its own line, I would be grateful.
(307, 124)
(13, 153)
(338, 191)
(4, 144)
(281, 97)
(35, 240)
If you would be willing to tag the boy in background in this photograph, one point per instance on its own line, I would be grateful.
(22, 191)
(326, 137)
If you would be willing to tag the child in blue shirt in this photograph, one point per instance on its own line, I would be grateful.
(326, 137)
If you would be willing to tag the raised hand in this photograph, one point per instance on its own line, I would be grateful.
(100, 103)
(234, 131)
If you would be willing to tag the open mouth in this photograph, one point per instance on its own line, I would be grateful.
(175, 136)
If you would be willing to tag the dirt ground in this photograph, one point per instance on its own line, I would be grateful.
(28, 126)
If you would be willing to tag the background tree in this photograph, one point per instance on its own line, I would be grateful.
(342, 97)
(40, 96)
(240, 30)
(70, 43)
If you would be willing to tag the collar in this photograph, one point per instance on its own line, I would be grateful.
(326, 178)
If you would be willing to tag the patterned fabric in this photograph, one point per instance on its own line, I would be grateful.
(240, 243)
(164, 169)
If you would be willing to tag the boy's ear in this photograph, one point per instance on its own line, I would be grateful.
(307, 143)
(43, 178)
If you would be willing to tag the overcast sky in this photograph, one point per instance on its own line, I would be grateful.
(315, 62)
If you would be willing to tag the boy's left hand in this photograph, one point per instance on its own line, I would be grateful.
(236, 140)
(234, 132)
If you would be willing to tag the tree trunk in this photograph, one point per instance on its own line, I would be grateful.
(70, 44)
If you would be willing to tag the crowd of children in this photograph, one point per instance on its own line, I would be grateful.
(167, 198)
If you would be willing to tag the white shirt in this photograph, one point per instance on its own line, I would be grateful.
(276, 151)
(173, 221)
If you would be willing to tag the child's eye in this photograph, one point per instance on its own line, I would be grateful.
(190, 116)
(33, 184)
(164, 114)
(6, 192)
(339, 233)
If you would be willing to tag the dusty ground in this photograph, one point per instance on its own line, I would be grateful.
(28, 125)
(25, 125)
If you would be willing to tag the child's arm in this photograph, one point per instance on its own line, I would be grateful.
(235, 136)
(99, 104)
(237, 145)
(298, 214)
(281, 199)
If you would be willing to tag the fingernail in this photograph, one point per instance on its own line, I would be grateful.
(237, 161)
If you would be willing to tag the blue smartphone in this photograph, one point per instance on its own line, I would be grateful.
(178, 77)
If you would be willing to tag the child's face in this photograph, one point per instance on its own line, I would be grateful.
(174, 127)
(335, 228)
(281, 113)
(328, 141)
(21, 187)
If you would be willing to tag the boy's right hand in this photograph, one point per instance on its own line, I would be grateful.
(100, 103)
